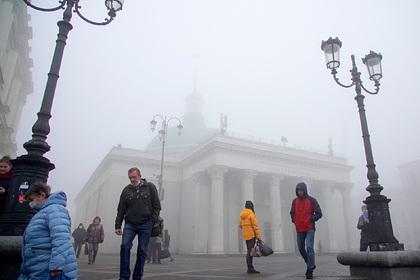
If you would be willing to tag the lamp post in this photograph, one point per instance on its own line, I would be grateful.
(163, 133)
(34, 166)
(380, 226)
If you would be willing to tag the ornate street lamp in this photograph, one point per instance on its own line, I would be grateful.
(380, 226)
(34, 166)
(163, 133)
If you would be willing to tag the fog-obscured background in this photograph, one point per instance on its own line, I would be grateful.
(259, 62)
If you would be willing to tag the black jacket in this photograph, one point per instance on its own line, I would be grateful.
(79, 235)
(364, 227)
(138, 204)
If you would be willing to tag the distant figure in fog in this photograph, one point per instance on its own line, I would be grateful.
(139, 206)
(250, 232)
(47, 251)
(363, 225)
(319, 247)
(165, 245)
(94, 236)
(79, 236)
(156, 248)
(5, 177)
(305, 211)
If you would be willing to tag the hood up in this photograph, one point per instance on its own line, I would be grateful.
(302, 186)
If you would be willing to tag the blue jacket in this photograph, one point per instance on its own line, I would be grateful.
(47, 241)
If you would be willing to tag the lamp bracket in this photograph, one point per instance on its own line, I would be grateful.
(334, 73)
(61, 6)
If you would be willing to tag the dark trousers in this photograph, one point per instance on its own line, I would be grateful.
(156, 252)
(249, 245)
(364, 243)
(143, 232)
(77, 248)
(93, 251)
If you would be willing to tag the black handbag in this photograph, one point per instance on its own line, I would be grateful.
(86, 251)
(264, 249)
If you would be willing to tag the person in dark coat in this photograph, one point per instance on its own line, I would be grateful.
(5, 177)
(139, 207)
(363, 225)
(94, 236)
(305, 211)
(79, 236)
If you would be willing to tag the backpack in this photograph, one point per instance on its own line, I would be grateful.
(157, 228)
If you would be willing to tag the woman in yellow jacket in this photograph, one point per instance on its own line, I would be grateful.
(250, 232)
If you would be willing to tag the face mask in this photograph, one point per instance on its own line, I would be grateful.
(33, 204)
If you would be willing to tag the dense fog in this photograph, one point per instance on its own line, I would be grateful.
(258, 62)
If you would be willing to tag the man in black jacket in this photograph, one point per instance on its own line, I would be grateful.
(139, 206)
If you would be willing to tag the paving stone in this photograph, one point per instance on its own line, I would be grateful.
(277, 267)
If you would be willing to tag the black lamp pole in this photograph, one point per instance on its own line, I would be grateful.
(34, 166)
(380, 226)
(163, 133)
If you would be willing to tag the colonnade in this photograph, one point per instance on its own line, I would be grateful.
(210, 192)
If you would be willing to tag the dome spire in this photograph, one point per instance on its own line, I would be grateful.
(194, 101)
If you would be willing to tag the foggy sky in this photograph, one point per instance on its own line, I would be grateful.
(260, 63)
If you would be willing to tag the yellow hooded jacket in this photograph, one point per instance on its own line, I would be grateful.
(249, 225)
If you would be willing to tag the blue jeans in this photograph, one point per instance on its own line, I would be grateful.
(308, 253)
(143, 232)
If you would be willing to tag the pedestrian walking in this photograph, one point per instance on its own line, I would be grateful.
(363, 225)
(79, 237)
(250, 232)
(47, 251)
(5, 177)
(166, 243)
(139, 206)
(305, 211)
(156, 248)
(149, 251)
(94, 236)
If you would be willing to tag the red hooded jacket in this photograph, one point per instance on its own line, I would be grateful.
(305, 211)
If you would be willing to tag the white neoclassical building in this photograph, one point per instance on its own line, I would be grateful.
(208, 177)
(15, 70)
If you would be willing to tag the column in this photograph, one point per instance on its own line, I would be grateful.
(216, 239)
(248, 185)
(200, 241)
(329, 213)
(346, 189)
(276, 222)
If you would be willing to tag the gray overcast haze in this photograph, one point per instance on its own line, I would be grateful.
(260, 63)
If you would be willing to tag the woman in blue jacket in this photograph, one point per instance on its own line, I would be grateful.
(47, 250)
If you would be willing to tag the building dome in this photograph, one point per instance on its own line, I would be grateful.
(194, 132)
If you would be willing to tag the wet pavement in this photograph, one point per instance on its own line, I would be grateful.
(283, 266)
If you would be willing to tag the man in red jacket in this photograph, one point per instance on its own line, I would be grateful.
(305, 212)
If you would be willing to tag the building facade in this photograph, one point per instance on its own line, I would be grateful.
(405, 217)
(209, 175)
(15, 70)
